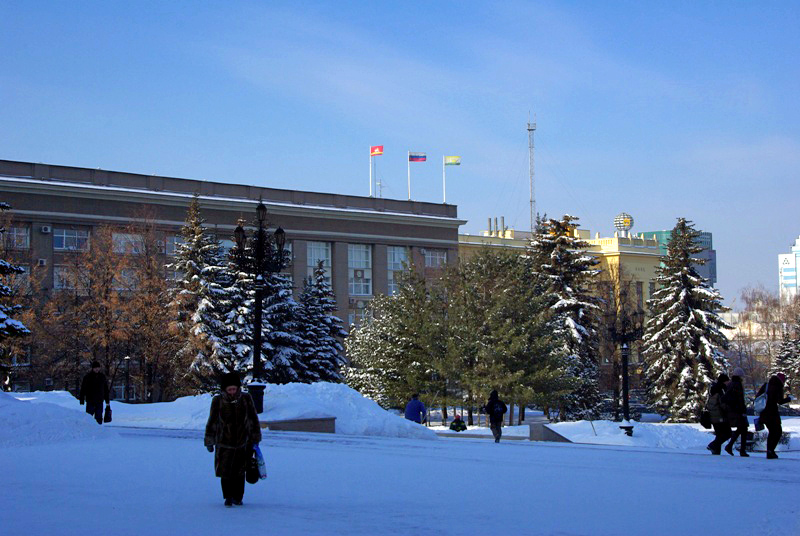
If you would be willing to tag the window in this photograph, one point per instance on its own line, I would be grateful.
(70, 240)
(319, 251)
(651, 289)
(21, 360)
(17, 238)
(359, 269)
(63, 279)
(397, 262)
(127, 280)
(435, 258)
(172, 244)
(130, 244)
(640, 294)
(21, 283)
(357, 312)
(21, 387)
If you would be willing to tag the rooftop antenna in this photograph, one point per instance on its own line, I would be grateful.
(531, 129)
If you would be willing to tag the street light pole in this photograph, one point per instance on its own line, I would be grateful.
(265, 259)
(127, 377)
(625, 403)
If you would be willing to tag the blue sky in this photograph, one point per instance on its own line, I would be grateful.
(660, 109)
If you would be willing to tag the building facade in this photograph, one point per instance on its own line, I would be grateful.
(787, 272)
(363, 242)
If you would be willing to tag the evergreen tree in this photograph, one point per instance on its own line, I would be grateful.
(9, 327)
(196, 266)
(564, 273)
(322, 330)
(281, 337)
(223, 321)
(683, 342)
(787, 359)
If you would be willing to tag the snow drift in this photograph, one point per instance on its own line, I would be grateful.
(23, 423)
(355, 414)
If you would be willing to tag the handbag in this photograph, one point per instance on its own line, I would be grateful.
(760, 403)
(705, 419)
(262, 465)
(107, 414)
(251, 471)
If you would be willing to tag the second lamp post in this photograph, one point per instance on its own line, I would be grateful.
(266, 259)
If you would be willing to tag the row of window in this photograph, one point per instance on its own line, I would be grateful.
(78, 240)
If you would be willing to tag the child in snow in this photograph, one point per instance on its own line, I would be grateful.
(233, 429)
(458, 425)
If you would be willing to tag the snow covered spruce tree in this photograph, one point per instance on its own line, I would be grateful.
(322, 331)
(787, 359)
(196, 266)
(682, 343)
(282, 339)
(9, 326)
(565, 272)
(222, 321)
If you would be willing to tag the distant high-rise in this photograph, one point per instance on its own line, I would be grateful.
(787, 272)
(707, 270)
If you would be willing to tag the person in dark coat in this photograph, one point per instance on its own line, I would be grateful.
(94, 389)
(770, 416)
(495, 409)
(734, 401)
(719, 415)
(233, 430)
(415, 409)
(458, 425)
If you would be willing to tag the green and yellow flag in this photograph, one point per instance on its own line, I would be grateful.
(452, 160)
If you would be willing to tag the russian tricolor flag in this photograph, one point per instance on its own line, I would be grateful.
(417, 157)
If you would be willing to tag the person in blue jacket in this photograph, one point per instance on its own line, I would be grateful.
(415, 409)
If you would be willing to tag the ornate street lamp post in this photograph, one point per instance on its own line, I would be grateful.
(266, 259)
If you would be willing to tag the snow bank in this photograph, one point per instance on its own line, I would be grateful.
(671, 436)
(355, 414)
(23, 423)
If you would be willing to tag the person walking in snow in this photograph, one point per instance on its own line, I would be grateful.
(770, 416)
(233, 430)
(415, 410)
(733, 399)
(719, 415)
(458, 425)
(94, 389)
(495, 409)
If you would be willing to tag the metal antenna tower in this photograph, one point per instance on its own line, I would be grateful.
(531, 129)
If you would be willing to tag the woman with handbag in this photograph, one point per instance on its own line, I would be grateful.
(719, 416)
(737, 412)
(233, 430)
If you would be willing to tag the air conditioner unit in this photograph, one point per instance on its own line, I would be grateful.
(422, 251)
(358, 274)
(45, 229)
(41, 262)
(352, 301)
(360, 304)
(161, 247)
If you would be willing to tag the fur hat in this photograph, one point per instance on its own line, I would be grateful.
(781, 376)
(95, 364)
(738, 372)
(231, 378)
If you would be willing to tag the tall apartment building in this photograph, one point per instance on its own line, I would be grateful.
(787, 272)
(709, 254)
(362, 241)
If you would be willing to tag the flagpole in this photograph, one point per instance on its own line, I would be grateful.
(409, 175)
(444, 181)
(370, 172)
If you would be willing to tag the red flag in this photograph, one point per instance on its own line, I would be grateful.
(375, 150)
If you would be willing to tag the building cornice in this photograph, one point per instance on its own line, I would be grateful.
(131, 195)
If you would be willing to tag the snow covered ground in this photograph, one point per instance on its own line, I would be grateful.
(63, 474)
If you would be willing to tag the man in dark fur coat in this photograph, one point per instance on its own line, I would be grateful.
(94, 389)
